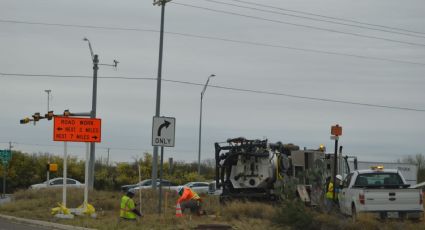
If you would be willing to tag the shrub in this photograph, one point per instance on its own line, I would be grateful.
(295, 215)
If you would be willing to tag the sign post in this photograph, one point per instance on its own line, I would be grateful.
(65, 160)
(86, 177)
(76, 130)
(5, 156)
(336, 131)
(163, 134)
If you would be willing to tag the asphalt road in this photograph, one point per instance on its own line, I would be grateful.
(11, 225)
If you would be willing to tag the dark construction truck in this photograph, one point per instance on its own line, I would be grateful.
(256, 169)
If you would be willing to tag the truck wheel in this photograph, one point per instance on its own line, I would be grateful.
(354, 214)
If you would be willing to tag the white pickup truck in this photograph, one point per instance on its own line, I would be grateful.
(383, 192)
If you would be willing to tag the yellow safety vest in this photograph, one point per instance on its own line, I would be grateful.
(329, 193)
(127, 204)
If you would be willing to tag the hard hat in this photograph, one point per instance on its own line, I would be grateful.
(180, 189)
(339, 177)
(131, 191)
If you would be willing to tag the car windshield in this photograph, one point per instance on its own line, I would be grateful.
(372, 179)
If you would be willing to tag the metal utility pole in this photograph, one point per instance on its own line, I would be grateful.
(335, 169)
(200, 124)
(95, 59)
(336, 132)
(158, 88)
(93, 115)
(48, 98)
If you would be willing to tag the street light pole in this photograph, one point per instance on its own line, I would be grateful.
(48, 91)
(200, 123)
(95, 60)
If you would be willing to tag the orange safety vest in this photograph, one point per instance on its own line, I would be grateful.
(188, 194)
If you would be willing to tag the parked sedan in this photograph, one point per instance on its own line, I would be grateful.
(212, 190)
(164, 183)
(198, 187)
(58, 182)
(147, 184)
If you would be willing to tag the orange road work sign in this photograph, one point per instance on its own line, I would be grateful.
(336, 130)
(76, 129)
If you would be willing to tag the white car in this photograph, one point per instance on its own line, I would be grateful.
(165, 185)
(58, 182)
(212, 190)
(198, 187)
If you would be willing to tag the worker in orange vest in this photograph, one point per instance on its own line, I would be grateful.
(189, 200)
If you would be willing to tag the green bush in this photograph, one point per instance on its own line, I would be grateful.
(295, 215)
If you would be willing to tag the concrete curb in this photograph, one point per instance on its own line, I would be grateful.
(44, 223)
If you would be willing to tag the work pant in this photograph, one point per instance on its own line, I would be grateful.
(193, 205)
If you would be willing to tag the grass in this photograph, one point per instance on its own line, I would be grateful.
(36, 204)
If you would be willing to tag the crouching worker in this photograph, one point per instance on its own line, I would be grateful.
(189, 200)
(128, 209)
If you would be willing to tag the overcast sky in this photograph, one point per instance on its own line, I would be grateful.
(285, 49)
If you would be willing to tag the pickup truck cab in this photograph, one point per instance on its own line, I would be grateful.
(383, 192)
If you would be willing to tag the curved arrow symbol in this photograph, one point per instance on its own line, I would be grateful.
(165, 124)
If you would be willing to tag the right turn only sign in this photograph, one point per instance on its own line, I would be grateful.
(163, 131)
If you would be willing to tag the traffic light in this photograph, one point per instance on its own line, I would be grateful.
(52, 167)
(25, 120)
(49, 115)
(36, 117)
(66, 113)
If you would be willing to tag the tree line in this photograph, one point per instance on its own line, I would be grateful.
(26, 169)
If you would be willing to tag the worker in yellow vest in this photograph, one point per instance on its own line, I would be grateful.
(189, 200)
(128, 209)
(330, 201)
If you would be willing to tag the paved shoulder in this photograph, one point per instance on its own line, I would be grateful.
(11, 222)
(6, 224)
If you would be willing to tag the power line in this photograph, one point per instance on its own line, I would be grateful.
(329, 17)
(261, 44)
(234, 89)
(299, 25)
(81, 146)
(314, 19)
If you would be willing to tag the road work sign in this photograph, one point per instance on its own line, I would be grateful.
(163, 131)
(77, 129)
